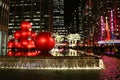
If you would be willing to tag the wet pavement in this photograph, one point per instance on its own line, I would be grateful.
(112, 68)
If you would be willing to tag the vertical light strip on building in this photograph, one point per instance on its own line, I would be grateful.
(102, 27)
(112, 24)
(107, 30)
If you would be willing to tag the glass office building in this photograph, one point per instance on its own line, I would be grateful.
(4, 20)
(58, 17)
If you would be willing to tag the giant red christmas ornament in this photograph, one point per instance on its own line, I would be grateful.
(28, 43)
(33, 35)
(31, 44)
(25, 25)
(11, 43)
(10, 53)
(17, 44)
(24, 43)
(17, 34)
(25, 33)
(44, 42)
(18, 53)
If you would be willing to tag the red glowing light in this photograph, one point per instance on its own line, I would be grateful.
(11, 43)
(24, 43)
(18, 53)
(31, 44)
(25, 33)
(28, 43)
(17, 34)
(33, 35)
(10, 53)
(17, 44)
(25, 25)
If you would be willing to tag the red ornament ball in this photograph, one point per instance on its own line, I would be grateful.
(25, 25)
(17, 34)
(44, 42)
(25, 33)
(17, 44)
(31, 44)
(33, 35)
(24, 43)
(18, 53)
(10, 53)
(11, 43)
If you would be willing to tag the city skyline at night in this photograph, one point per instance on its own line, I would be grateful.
(59, 39)
(61, 17)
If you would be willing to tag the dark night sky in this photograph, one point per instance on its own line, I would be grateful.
(69, 6)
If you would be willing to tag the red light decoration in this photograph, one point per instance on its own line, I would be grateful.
(29, 54)
(18, 53)
(28, 43)
(10, 53)
(11, 43)
(44, 42)
(33, 35)
(25, 25)
(25, 33)
(17, 44)
(31, 44)
(24, 43)
(17, 34)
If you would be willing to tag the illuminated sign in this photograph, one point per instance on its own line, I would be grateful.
(109, 42)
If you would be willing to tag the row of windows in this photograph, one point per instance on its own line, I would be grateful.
(4, 5)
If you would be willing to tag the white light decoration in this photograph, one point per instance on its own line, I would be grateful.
(102, 27)
(112, 24)
(53, 64)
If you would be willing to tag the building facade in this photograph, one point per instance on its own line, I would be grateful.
(98, 14)
(88, 18)
(76, 24)
(58, 17)
(4, 20)
(45, 15)
(107, 11)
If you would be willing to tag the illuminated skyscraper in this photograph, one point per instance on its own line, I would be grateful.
(76, 25)
(45, 15)
(111, 10)
(88, 21)
(58, 17)
(35, 11)
(4, 19)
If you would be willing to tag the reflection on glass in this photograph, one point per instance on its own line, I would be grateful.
(4, 44)
(0, 41)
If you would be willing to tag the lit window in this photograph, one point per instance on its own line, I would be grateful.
(11, 24)
(36, 19)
